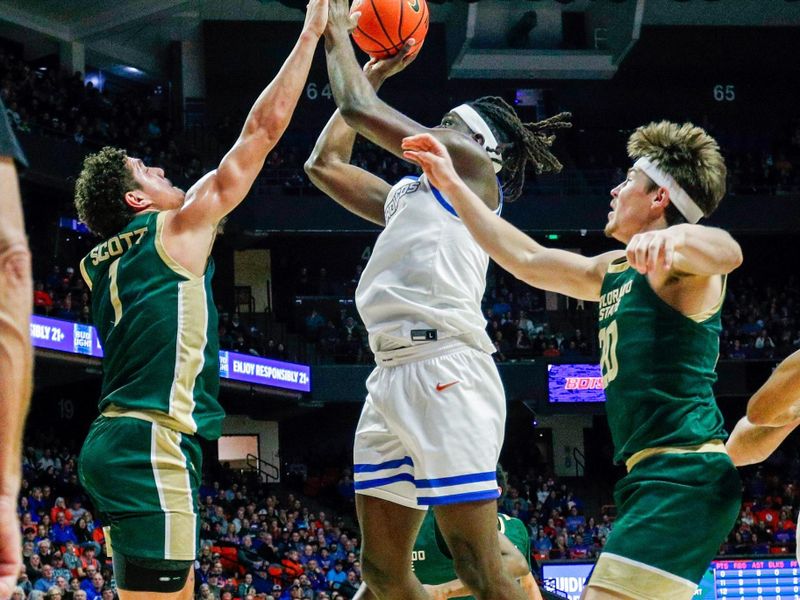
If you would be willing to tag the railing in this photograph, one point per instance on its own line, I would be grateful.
(255, 463)
(579, 459)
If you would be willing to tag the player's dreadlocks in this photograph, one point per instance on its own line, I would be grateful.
(521, 143)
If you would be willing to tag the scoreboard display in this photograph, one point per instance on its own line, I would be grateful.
(735, 579)
(763, 579)
(575, 383)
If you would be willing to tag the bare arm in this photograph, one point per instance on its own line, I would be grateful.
(750, 444)
(546, 268)
(772, 414)
(219, 192)
(16, 364)
(361, 108)
(777, 402)
(329, 168)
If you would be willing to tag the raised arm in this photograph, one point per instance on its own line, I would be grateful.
(361, 108)
(221, 190)
(545, 268)
(329, 168)
(772, 414)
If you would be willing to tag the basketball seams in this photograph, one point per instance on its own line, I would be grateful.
(369, 37)
(383, 27)
(372, 35)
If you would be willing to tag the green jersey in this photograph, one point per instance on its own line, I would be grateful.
(658, 367)
(431, 559)
(158, 326)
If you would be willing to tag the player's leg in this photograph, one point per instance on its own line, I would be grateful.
(143, 479)
(458, 440)
(657, 498)
(153, 575)
(470, 530)
(388, 532)
(385, 494)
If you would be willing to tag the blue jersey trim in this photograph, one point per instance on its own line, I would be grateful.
(449, 207)
(373, 483)
(456, 480)
(389, 464)
(457, 498)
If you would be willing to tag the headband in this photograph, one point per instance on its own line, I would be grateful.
(677, 195)
(478, 124)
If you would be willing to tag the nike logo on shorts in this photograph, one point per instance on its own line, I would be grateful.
(440, 387)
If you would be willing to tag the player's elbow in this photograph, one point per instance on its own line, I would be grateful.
(356, 113)
(760, 411)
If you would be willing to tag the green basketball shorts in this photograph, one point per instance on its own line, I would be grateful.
(673, 512)
(143, 479)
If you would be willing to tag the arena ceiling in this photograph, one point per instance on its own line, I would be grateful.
(137, 32)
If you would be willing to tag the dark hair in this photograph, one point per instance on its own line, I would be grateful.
(100, 192)
(521, 143)
(502, 480)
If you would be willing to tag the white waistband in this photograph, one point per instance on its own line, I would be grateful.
(401, 356)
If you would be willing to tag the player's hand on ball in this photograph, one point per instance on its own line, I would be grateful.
(340, 17)
(430, 154)
(652, 250)
(316, 16)
(379, 70)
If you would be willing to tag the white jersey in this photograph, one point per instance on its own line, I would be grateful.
(426, 272)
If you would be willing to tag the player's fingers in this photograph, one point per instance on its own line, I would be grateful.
(655, 252)
(414, 157)
(420, 141)
(669, 254)
(354, 17)
(630, 251)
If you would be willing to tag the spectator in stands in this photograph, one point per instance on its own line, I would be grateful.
(46, 581)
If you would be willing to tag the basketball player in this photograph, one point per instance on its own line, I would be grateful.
(772, 414)
(660, 303)
(16, 355)
(433, 562)
(152, 305)
(432, 426)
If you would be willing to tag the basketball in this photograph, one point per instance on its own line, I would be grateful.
(385, 25)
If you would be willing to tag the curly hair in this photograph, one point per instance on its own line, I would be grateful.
(100, 192)
(521, 143)
(690, 156)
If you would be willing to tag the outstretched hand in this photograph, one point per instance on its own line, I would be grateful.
(379, 70)
(430, 154)
(316, 16)
(340, 17)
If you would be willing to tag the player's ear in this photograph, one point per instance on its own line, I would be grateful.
(137, 200)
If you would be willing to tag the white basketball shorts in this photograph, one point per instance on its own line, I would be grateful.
(432, 426)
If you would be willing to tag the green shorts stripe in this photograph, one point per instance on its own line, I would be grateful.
(143, 479)
(674, 511)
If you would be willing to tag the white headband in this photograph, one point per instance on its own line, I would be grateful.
(478, 124)
(677, 195)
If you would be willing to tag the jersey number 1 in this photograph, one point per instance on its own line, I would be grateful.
(608, 352)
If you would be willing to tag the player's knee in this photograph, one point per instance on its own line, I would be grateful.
(375, 575)
(471, 567)
(148, 575)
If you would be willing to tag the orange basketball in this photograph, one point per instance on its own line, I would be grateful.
(385, 25)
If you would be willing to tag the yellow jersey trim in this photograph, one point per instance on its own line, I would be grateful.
(85, 273)
(162, 251)
(715, 446)
(707, 314)
(639, 581)
(618, 265)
